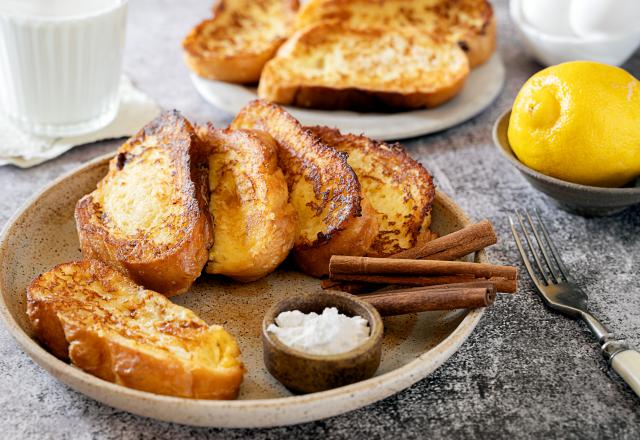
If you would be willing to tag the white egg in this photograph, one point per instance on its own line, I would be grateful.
(598, 18)
(548, 16)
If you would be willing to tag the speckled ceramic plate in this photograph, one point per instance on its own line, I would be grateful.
(481, 87)
(43, 234)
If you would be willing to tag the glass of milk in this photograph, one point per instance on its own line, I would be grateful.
(61, 63)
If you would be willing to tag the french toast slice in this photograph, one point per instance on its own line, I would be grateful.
(254, 223)
(148, 216)
(399, 188)
(331, 66)
(467, 23)
(241, 37)
(333, 216)
(105, 324)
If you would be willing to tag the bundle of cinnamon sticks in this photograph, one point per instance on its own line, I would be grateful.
(444, 284)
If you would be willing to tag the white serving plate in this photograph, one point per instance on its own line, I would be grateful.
(481, 88)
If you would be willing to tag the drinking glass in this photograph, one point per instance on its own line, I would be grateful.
(61, 63)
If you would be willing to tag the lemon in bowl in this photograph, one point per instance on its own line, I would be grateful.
(574, 133)
(579, 122)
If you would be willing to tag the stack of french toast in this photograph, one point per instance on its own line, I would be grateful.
(179, 199)
(345, 54)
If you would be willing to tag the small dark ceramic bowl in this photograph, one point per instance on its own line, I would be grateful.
(580, 199)
(307, 373)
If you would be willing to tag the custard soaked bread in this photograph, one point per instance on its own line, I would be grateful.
(467, 23)
(332, 66)
(242, 35)
(112, 328)
(333, 216)
(398, 188)
(254, 223)
(148, 216)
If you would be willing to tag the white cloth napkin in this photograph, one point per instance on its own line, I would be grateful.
(26, 150)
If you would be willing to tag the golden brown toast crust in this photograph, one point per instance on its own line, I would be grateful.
(400, 189)
(333, 217)
(241, 37)
(325, 98)
(158, 177)
(332, 66)
(112, 328)
(468, 23)
(254, 223)
(479, 47)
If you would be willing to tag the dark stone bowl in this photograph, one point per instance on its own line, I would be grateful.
(580, 199)
(308, 373)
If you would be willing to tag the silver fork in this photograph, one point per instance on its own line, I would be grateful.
(560, 292)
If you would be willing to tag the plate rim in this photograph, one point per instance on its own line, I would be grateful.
(357, 395)
(390, 133)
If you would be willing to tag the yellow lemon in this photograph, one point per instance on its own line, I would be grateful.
(579, 122)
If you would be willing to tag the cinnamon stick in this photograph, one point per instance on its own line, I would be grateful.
(371, 265)
(467, 284)
(455, 245)
(452, 246)
(419, 272)
(424, 299)
(500, 284)
(354, 288)
(430, 300)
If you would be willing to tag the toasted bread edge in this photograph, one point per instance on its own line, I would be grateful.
(173, 271)
(114, 362)
(391, 153)
(278, 227)
(356, 229)
(243, 67)
(288, 90)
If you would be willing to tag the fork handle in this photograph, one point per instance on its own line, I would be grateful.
(627, 364)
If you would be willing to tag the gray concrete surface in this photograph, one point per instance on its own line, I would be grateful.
(526, 372)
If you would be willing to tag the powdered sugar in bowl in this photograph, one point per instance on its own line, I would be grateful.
(318, 363)
(327, 333)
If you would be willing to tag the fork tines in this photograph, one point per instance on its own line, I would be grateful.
(553, 270)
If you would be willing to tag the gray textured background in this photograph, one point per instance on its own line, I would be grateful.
(525, 371)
